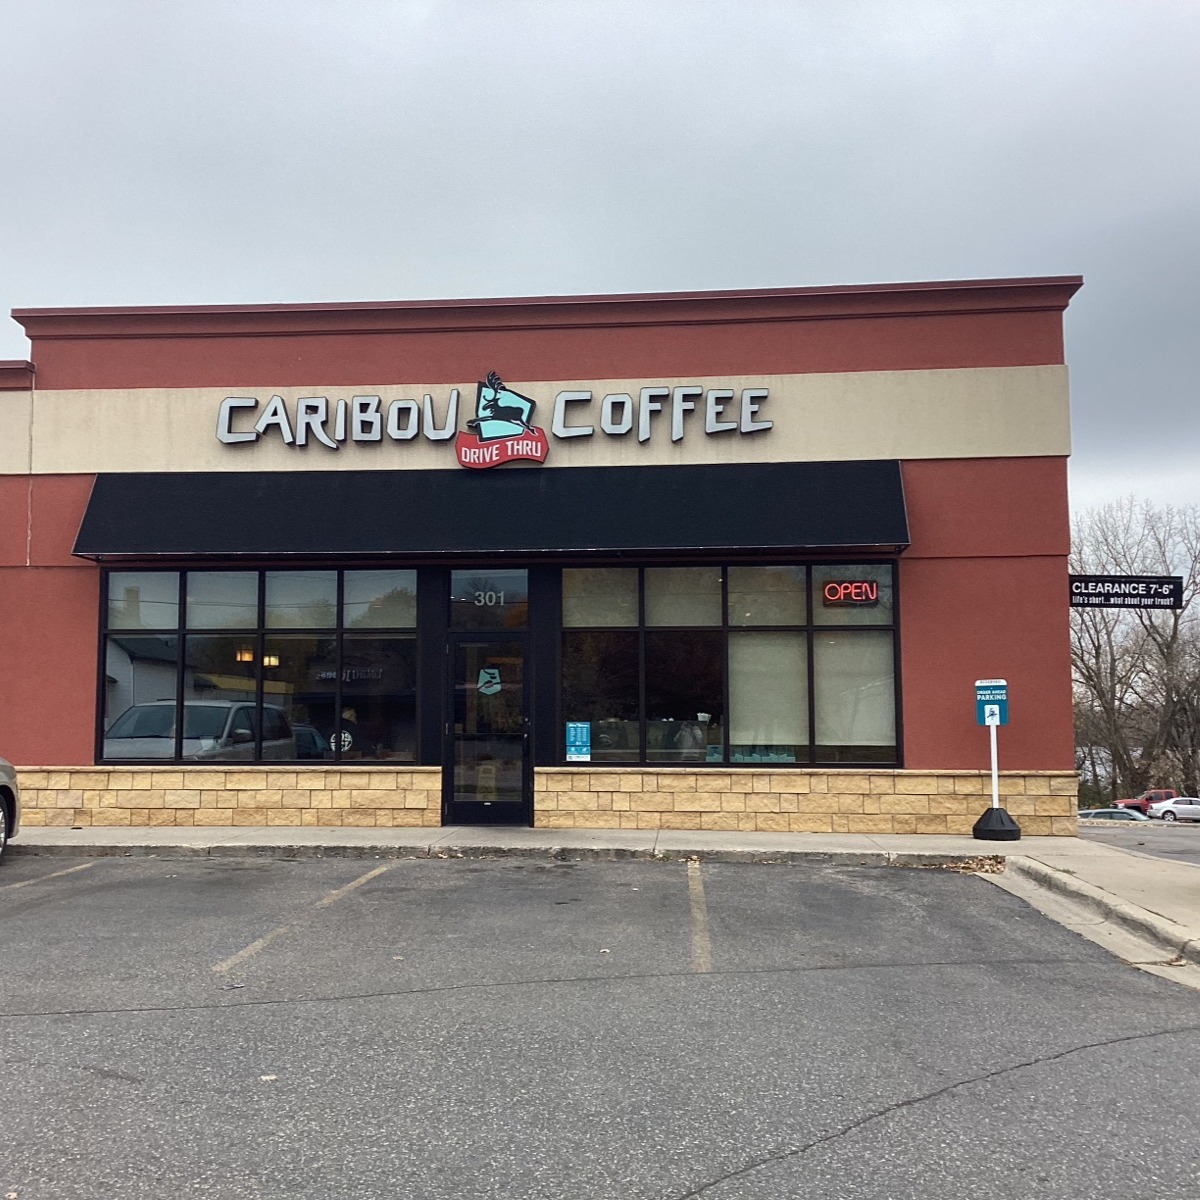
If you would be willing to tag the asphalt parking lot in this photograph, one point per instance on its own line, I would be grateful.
(1178, 841)
(541, 1029)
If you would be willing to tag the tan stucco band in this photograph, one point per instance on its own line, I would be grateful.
(976, 412)
(1043, 802)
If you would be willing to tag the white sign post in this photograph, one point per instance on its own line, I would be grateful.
(991, 709)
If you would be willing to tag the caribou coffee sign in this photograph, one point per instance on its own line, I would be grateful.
(503, 428)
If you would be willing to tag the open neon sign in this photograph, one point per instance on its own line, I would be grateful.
(840, 592)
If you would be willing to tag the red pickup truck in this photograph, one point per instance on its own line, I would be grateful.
(1142, 803)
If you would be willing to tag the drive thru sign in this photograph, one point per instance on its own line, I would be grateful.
(991, 702)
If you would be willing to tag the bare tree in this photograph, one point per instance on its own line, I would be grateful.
(1137, 671)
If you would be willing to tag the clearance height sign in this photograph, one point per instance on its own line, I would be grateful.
(1126, 591)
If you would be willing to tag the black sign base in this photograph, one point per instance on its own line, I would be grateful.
(996, 826)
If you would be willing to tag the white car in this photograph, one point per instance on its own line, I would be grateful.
(1182, 808)
(10, 803)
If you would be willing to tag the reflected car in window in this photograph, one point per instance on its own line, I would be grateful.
(212, 729)
(310, 743)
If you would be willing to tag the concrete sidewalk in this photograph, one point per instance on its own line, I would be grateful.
(1153, 898)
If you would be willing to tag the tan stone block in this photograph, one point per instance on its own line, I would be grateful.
(367, 797)
(1012, 785)
(961, 823)
(721, 820)
(762, 802)
(210, 816)
(604, 801)
(904, 804)
(282, 781)
(851, 784)
(811, 822)
(1054, 806)
(635, 781)
(331, 817)
(362, 818)
(851, 802)
(33, 780)
(602, 781)
(973, 785)
(116, 816)
(60, 816)
(140, 816)
(624, 801)
(309, 817)
(904, 823)
(209, 798)
(1038, 826)
(747, 822)
(697, 802)
(584, 801)
(1064, 785)
(840, 822)
(760, 781)
(883, 785)
(782, 781)
(714, 781)
(141, 781)
(227, 800)
(184, 816)
(555, 781)
(118, 781)
(677, 781)
(654, 802)
(294, 798)
(243, 780)
(106, 799)
(283, 816)
(83, 818)
(554, 820)
(914, 785)
(865, 823)
(731, 802)
(168, 780)
(945, 803)
(407, 818)
(629, 820)
(817, 802)
(34, 818)
(1018, 806)
(322, 799)
(789, 802)
(181, 798)
(649, 820)
(95, 781)
(773, 822)
(870, 804)
(247, 816)
(73, 797)
(931, 823)
(603, 820)
(1064, 826)
(163, 816)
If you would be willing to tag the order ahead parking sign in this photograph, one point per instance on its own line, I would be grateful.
(991, 701)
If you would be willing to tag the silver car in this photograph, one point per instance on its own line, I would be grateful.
(10, 803)
(212, 729)
(1182, 808)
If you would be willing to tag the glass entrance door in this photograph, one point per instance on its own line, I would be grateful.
(488, 777)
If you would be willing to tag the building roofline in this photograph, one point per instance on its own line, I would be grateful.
(898, 299)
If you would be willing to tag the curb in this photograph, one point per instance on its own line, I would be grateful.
(967, 863)
(1178, 940)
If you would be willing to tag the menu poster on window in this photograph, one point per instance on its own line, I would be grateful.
(579, 741)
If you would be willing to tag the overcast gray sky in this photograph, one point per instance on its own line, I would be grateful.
(200, 151)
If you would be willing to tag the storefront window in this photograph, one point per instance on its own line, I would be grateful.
(855, 696)
(222, 599)
(143, 600)
(600, 596)
(493, 600)
(747, 664)
(236, 690)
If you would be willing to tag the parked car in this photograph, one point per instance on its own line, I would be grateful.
(1182, 808)
(212, 729)
(310, 743)
(1153, 796)
(1111, 814)
(10, 803)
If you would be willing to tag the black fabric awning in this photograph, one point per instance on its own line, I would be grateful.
(526, 511)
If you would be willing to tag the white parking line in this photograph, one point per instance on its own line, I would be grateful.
(350, 887)
(42, 878)
(267, 938)
(701, 949)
